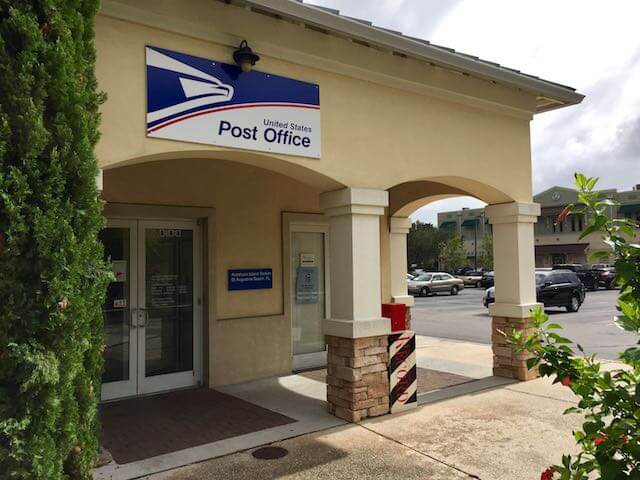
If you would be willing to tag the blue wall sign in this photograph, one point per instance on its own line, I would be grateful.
(250, 279)
(204, 101)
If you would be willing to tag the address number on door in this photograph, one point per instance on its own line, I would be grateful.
(170, 233)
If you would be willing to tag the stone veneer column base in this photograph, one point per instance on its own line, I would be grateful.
(506, 362)
(357, 378)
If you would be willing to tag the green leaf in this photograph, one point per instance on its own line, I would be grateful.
(626, 229)
(599, 254)
(590, 427)
(612, 469)
(628, 324)
(532, 362)
(591, 183)
(572, 410)
(631, 355)
(581, 181)
(554, 326)
(559, 339)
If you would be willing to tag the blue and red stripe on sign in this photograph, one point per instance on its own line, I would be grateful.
(175, 78)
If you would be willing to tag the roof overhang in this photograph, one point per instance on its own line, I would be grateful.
(549, 95)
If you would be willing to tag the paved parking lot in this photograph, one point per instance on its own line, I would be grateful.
(463, 317)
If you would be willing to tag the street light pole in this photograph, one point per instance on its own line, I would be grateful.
(475, 243)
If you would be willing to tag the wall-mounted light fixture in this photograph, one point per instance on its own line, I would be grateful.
(244, 57)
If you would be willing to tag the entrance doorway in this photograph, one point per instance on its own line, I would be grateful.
(309, 294)
(152, 311)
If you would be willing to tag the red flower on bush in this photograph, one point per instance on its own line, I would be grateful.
(566, 381)
(563, 215)
(600, 440)
(548, 474)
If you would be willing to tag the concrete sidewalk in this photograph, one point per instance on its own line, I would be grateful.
(488, 430)
(507, 432)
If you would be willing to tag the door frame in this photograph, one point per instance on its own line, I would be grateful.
(311, 223)
(138, 384)
(127, 388)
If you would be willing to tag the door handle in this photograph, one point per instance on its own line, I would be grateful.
(133, 324)
(144, 317)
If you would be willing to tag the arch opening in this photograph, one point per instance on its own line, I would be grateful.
(300, 173)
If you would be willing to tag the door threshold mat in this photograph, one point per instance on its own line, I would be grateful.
(140, 428)
(430, 380)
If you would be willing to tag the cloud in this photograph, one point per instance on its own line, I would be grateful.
(588, 44)
(600, 138)
(411, 17)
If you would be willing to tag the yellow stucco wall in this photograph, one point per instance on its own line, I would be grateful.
(385, 119)
(246, 232)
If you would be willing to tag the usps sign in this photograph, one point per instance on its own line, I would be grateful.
(193, 99)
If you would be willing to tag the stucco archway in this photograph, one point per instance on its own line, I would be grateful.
(263, 161)
(512, 223)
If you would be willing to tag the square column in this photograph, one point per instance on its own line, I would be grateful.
(398, 230)
(514, 266)
(356, 332)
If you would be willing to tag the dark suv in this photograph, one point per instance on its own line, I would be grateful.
(606, 276)
(487, 279)
(560, 288)
(588, 277)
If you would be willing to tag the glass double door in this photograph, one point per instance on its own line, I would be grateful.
(152, 308)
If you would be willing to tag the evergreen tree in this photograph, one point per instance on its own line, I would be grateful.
(485, 258)
(52, 276)
(423, 245)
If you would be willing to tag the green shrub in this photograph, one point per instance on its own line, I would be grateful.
(609, 399)
(52, 277)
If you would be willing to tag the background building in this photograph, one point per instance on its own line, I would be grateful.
(554, 243)
(471, 225)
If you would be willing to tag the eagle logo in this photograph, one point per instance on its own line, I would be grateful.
(199, 89)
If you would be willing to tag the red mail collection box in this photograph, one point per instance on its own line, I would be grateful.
(397, 312)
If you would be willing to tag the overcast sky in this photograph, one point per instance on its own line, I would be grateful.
(591, 45)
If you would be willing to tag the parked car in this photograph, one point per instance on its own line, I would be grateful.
(556, 288)
(433, 283)
(472, 277)
(462, 270)
(487, 279)
(587, 277)
(606, 276)
(600, 266)
(410, 277)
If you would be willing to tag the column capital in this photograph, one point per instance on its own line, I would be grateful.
(359, 328)
(362, 201)
(512, 310)
(513, 212)
(399, 225)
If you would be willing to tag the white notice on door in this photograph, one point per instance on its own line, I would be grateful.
(119, 268)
